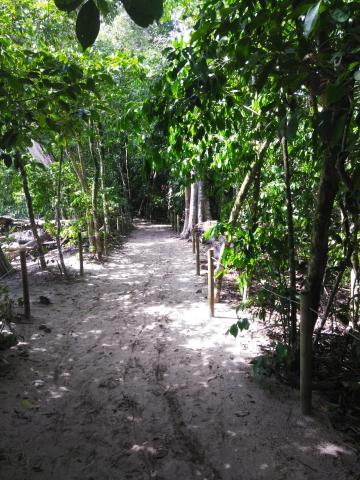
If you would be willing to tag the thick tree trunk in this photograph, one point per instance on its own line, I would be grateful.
(235, 212)
(310, 296)
(291, 242)
(187, 211)
(31, 214)
(333, 165)
(58, 215)
(200, 201)
(94, 200)
(207, 210)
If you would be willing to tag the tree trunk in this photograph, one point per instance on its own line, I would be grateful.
(80, 171)
(94, 200)
(127, 169)
(187, 211)
(101, 152)
(31, 213)
(291, 242)
(235, 212)
(200, 201)
(207, 210)
(246, 184)
(58, 219)
(310, 295)
(193, 210)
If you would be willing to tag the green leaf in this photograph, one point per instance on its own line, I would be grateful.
(6, 159)
(103, 6)
(68, 5)
(243, 324)
(339, 15)
(282, 351)
(292, 127)
(334, 93)
(88, 24)
(338, 131)
(144, 12)
(27, 404)
(357, 75)
(233, 330)
(311, 19)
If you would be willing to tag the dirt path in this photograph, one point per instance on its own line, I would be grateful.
(134, 382)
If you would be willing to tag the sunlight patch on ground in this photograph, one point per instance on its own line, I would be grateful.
(332, 449)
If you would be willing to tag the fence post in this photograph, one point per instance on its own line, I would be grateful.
(211, 281)
(81, 255)
(197, 253)
(25, 283)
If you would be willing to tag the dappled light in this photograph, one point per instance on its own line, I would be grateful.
(134, 362)
(179, 240)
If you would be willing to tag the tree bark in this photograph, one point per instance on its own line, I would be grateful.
(187, 195)
(200, 201)
(311, 293)
(101, 152)
(58, 215)
(193, 210)
(31, 213)
(94, 199)
(291, 242)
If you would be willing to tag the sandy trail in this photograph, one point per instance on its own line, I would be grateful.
(134, 382)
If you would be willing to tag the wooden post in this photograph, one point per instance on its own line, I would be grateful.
(197, 253)
(305, 355)
(25, 283)
(211, 281)
(193, 240)
(81, 256)
(177, 224)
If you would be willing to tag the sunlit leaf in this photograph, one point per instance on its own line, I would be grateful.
(311, 19)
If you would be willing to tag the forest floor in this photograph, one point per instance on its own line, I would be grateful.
(123, 376)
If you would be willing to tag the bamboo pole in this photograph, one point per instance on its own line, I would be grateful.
(25, 283)
(81, 256)
(211, 296)
(197, 253)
